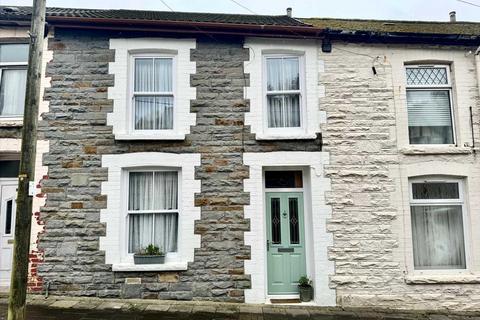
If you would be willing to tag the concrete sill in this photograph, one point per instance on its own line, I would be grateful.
(158, 136)
(443, 279)
(436, 150)
(169, 266)
(11, 123)
(260, 136)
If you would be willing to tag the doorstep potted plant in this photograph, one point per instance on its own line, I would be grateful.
(305, 288)
(151, 254)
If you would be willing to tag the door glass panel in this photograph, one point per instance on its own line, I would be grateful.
(294, 223)
(276, 222)
(9, 168)
(283, 179)
(8, 217)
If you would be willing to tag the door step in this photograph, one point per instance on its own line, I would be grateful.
(283, 301)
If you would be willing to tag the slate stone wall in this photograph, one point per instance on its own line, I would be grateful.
(76, 128)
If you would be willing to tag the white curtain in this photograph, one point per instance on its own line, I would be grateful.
(167, 239)
(153, 112)
(429, 117)
(283, 109)
(153, 191)
(438, 240)
(12, 91)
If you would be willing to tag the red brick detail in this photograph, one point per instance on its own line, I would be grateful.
(36, 257)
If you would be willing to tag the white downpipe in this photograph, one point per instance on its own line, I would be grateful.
(477, 66)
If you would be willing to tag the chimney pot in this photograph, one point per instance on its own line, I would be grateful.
(289, 12)
(453, 16)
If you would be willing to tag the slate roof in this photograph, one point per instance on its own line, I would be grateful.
(23, 13)
(393, 26)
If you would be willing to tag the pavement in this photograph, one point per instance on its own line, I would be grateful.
(70, 308)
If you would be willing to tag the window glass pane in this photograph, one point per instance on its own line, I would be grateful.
(276, 222)
(165, 236)
(427, 76)
(435, 190)
(143, 75)
(283, 179)
(12, 91)
(438, 240)
(291, 74)
(294, 222)
(153, 112)
(14, 53)
(274, 74)
(140, 232)
(9, 168)
(166, 190)
(163, 74)
(8, 217)
(283, 111)
(429, 117)
(140, 191)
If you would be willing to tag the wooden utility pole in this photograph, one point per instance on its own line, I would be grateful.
(21, 248)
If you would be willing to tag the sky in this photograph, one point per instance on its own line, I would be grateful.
(436, 10)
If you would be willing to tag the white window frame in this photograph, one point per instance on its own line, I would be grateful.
(17, 65)
(121, 118)
(132, 93)
(301, 91)
(448, 86)
(438, 202)
(169, 256)
(115, 241)
(255, 67)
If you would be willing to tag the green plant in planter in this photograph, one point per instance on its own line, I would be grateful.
(151, 254)
(305, 288)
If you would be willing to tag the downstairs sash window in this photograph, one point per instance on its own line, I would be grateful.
(437, 215)
(153, 210)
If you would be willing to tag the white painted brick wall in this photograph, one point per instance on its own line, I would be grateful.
(366, 135)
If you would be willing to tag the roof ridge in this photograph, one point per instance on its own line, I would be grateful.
(392, 21)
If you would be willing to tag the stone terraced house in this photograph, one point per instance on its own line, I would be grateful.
(252, 150)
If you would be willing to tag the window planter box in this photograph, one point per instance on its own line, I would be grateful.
(144, 259)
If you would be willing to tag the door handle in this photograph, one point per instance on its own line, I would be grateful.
(268, 245)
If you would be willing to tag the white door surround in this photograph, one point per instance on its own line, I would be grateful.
(8, 195)
(317, 240)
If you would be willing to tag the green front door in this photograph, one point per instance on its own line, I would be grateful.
(285, 241)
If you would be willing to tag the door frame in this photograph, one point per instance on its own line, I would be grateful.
(7, 182)
(306, 190)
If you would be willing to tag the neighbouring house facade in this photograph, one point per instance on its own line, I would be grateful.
(253, 150)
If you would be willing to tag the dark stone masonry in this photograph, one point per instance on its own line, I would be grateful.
(76, 128)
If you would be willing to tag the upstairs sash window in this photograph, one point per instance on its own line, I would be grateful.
(429, 104)
(153, 94)
(13, 79)
(283, 92)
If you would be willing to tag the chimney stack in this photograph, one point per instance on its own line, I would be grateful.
(453, 16)
(289, 12)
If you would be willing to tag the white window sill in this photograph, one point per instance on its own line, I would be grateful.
(286, 136)
(442, 279)
(11, 122)
(169, 266)
(447, 149)
(153, 136)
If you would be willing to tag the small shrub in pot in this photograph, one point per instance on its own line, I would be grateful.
(305, 288)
